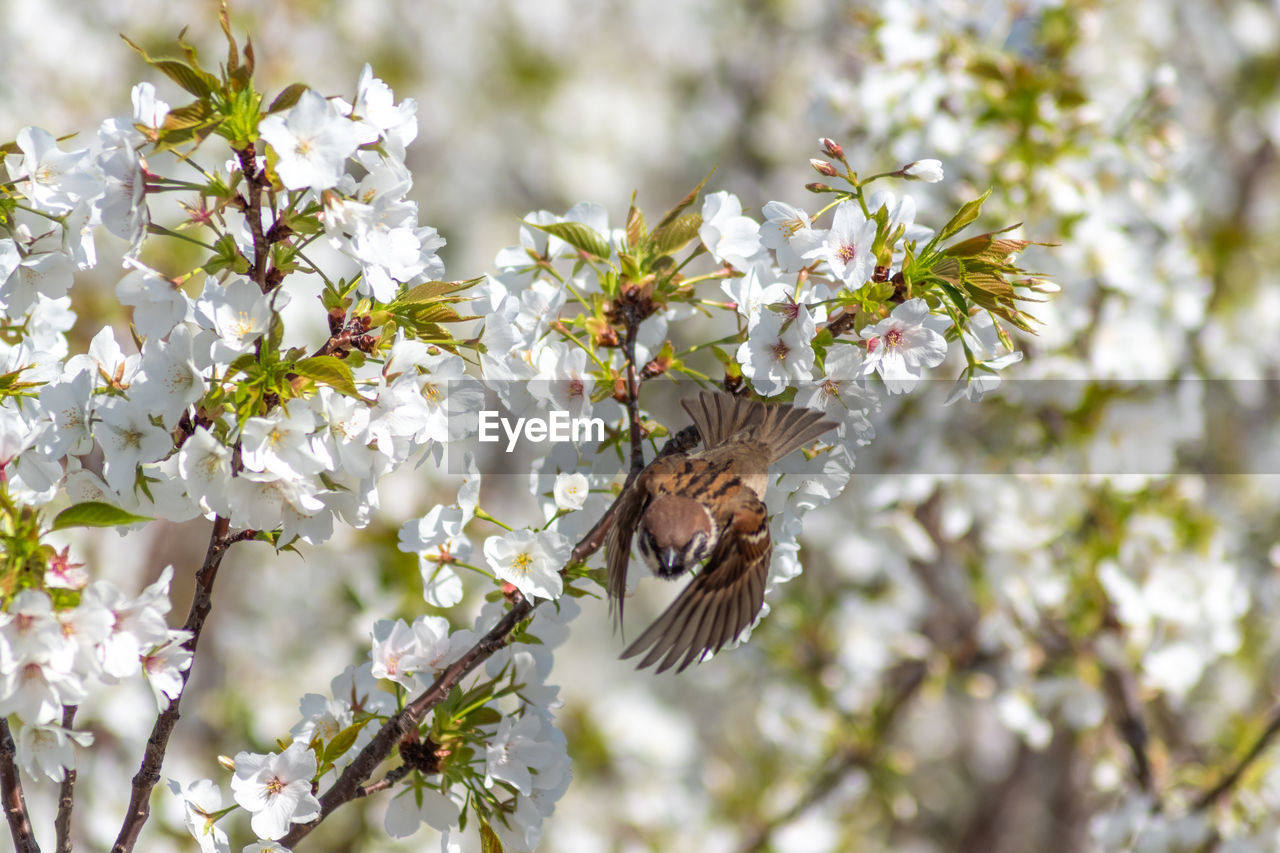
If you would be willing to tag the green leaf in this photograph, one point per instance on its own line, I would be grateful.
(193, 114)
(197, 81)
(577, 235)
(288, 97)
(484, 716)
(675, 235)
(432, 291)
(327, 370)
(489, 842)
(672, 214)
(342, 741)
(95, 514)
(968, 212)
(226, 257)
(434, 312)
(636, 229)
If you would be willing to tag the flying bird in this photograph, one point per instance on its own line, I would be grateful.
(685, 508)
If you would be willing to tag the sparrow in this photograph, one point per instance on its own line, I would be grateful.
(690, 507)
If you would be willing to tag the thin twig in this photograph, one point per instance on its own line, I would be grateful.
(1227, 782)
(149, 773)
(15, 804)
(66, 792)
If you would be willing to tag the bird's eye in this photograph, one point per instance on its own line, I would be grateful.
(697, 551)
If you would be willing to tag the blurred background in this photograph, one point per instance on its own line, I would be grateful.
(968, 662)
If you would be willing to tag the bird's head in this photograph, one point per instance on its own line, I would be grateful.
(676, 533)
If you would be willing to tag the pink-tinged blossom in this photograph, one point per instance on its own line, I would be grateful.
(312, 141)
(276, 789)
(38, 687)
(163, 667)
(396, 652)
(900, 346)
(846, 248)
(778, 351)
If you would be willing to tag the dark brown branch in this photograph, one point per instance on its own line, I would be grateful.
(348, 785)
(66, 793)
(1227, 782)
(633, 390)
(1121, 689)
(253, 212)
(149, 773)
(15, 804)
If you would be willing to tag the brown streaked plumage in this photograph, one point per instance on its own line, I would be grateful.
(707, 505)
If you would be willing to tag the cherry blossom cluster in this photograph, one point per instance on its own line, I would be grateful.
(313, 353)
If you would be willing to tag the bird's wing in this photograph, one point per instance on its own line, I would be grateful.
(718, 415)
(722, 600)
(617, 544)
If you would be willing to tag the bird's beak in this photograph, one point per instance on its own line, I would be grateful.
(670, 562)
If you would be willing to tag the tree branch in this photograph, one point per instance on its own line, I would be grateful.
(66, 793)
(348, 786)
(1121, 689)
(149, 773)
(633, 391)
(253, 212)
(1227, 782)
(15, 804)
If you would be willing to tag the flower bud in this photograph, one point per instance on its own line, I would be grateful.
(822, 167)
(929, 171)
(831, 148)
(817, 187)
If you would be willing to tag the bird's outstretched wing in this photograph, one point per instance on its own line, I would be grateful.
(617, 545)
(722, 600)
(782, 429)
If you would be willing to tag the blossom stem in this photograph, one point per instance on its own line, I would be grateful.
(484, 516)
